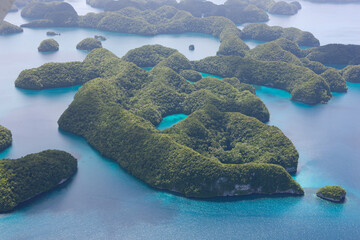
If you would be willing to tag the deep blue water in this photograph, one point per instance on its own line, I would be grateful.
(104, 202)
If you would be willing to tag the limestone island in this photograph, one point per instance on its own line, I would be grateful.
(135, 21)
(303, 83)
(48, 45)
(89, 44)
(332, 193)
(337, 54)
(263, 32)
(8, 28)
(223, 148)
(100, 37)
(5, 138)
(191, 75)
(52, 33)
(50, 14)
(237, 11)
(351, 73)
(24, 178)
(284, 8)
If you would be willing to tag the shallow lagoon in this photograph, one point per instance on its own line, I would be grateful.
(104, 202)
(171, 120)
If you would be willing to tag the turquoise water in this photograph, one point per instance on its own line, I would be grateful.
(209, 75)
(171, 120)
(147, 68)
(104, 202)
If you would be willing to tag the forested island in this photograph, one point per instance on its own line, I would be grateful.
(351, 73)
(24, 178)
(48, 45)
(263, 32)
(304, 84)
(55, 14)
(5, 138)
(237, 11)
(8, 28)
(89, 44)
(123, 107)
(339, 54)
(332, 193)
(223, 147)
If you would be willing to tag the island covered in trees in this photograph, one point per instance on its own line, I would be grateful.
(89, 44)
(223, 147)
(24, 178)
(124, 103)
(303, 83)
(5, 138)
(332, 193)
(8, 28)
(48, 45)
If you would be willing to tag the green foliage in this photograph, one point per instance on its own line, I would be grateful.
(117, 115)
(56, 75)
(89, 44)
(352, 73)
(263, 32)
(273, 52)
(176, 62)
(167, 20)
(148, 55)
(335, 54)
(8, 28)
(238, 12)
(191, 75)
(234, 138)
(24, 178)
(335, 80)
(5, 138)
(316, 67)
(284, 8)
(332, 193)
(163, 20)
(48, 45)
(235, 82)
(98, 63)
(233, 46)
(289, 46)
(56, 14)
(104, 64)
(303, 84)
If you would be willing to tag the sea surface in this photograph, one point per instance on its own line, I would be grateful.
(104, 202)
